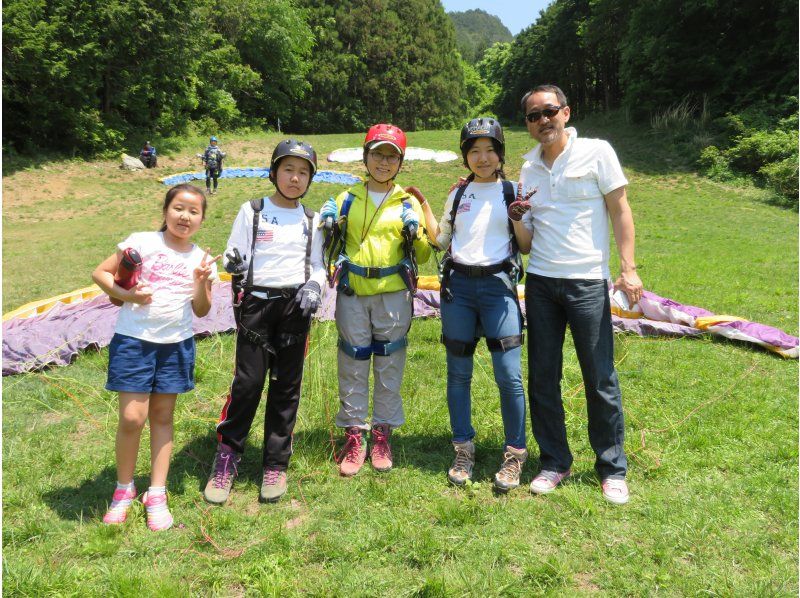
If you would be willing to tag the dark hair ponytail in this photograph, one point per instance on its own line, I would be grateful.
(173, 192)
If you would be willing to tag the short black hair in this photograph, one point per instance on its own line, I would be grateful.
(560, 95)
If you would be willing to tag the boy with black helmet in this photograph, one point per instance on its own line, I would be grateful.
(275, 256)
(212, 159)
(378, 228)
(480, 272)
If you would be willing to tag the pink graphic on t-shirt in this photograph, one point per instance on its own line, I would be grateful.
(160, 271)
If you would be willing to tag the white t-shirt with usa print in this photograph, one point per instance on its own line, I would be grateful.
(481, 234)
(170, 274)
(280, 251)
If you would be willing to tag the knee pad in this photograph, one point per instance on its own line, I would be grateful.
(386, 348)
(501, 345)
(459, 348)
(357, 353)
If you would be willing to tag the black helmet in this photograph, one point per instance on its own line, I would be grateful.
(298, 149)
(484, 127)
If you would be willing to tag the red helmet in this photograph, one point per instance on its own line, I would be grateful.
(385, 134)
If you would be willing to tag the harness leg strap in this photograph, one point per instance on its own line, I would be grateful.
(459, 348)
(501, 345)
(386, 348)
(357, 353)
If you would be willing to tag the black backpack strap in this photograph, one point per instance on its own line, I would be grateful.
(454, 208)
(257, 205)
(310, 221)
(509, 197)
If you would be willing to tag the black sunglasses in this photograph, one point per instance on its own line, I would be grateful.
(549, 112)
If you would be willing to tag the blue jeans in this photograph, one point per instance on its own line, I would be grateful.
(551, 304)
(483, 303)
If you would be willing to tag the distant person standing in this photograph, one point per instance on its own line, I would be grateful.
(575, 185)
(212, 159)
(147, 155)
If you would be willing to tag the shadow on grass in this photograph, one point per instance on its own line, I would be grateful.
(14, 161)
(89, 499)
(192, 463)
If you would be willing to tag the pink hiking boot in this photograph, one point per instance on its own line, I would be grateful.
(120, 505)
(381, 452)
(354, 452)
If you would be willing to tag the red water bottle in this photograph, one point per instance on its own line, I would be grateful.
(128, 272)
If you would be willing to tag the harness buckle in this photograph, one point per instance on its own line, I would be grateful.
(372, 272)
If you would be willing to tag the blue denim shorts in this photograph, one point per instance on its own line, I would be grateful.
(135, 365)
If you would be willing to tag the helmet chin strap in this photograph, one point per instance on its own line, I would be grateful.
(285, 196)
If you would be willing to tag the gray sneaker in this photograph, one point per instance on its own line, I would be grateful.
(508, 476)
(223, 472)
(273, 486)
(461, 470)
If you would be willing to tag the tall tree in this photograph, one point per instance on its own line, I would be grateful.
(377, 60)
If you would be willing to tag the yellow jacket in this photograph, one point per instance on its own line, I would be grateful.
(377, 242)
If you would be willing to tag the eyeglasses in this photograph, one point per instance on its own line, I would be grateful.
(390, 158)
(549, 112)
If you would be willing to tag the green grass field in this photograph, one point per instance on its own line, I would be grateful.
(712, 428)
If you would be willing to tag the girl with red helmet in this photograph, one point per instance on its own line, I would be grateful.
(480, 272)
(375, 221)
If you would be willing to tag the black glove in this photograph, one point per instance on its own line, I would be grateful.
(235, 263)
(309, 297)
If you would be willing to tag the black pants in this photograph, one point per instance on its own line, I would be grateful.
(212, 173)
(280, 349)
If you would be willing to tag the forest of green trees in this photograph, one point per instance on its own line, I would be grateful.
(477, 30)
(84, 76)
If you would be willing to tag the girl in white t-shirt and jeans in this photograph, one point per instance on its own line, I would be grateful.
(151, 356)
(479, 299)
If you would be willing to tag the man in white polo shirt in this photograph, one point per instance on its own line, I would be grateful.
(574, 185)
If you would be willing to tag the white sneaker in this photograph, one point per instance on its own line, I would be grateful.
(616, 491)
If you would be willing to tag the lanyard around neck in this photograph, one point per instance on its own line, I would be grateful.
(365, 230)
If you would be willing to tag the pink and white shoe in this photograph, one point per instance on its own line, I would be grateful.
(616, 491)
(158, 516)
(120, 505)
(546, 481)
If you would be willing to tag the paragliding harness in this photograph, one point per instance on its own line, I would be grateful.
(338, 267)
(512, 266)
(213, 158)
(242, 285)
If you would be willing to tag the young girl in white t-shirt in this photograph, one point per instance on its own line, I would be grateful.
(151, 356)
(478, 298)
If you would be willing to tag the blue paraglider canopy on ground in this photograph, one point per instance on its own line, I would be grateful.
(322, 176)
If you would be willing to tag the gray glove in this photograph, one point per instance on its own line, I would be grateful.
(234, 263)
(309, 297)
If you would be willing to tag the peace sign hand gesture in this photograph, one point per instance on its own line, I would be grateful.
(203, 271)
(522, 204)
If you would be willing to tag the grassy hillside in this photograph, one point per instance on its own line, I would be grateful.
(711, 425)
